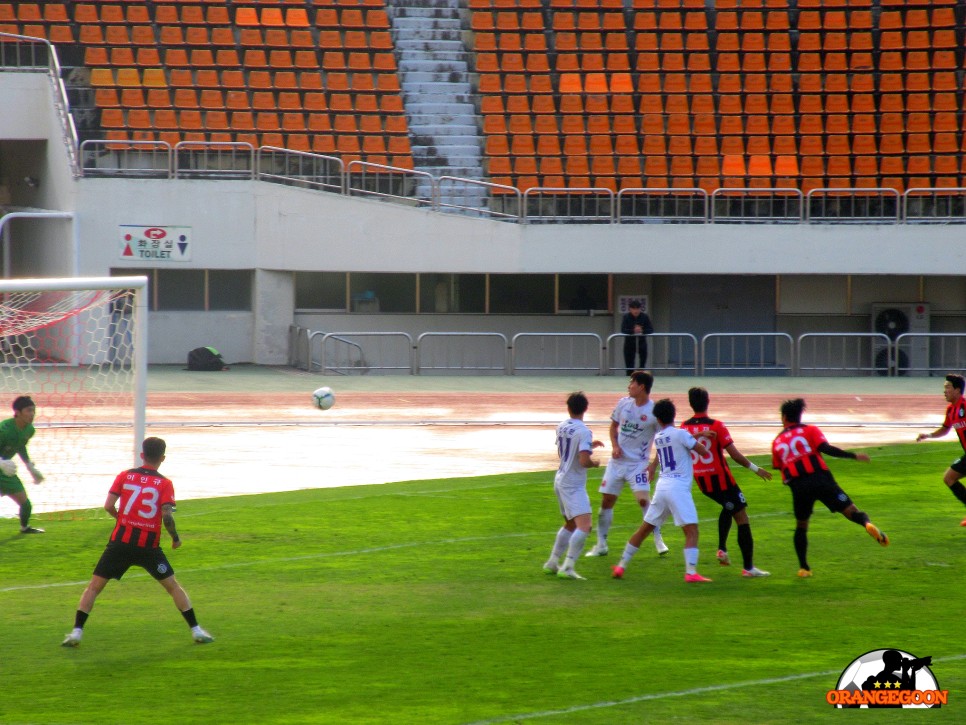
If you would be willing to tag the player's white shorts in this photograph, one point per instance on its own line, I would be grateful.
(573, 500)
(671, 500)
(619, 471)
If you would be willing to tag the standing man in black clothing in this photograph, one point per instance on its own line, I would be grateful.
(637, 325)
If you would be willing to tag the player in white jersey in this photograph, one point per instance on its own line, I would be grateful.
(673, 497)
(632, 428)
(575, 443)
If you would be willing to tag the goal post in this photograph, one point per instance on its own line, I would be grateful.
(78, 347)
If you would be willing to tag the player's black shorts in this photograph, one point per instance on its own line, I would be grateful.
(118, 558)
(959, 465)
(818, 486)
(731, 499)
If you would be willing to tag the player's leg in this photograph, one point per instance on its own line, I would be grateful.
(581, 523)
(656, 513)
(641, 486)
(862, 519)
(642, 351)
(952, 479)
(183, 603)
(84, 607)
(610, 488)
(803, 504)
(686, 516)
(724, 528)
(562, 540)
(16, 491)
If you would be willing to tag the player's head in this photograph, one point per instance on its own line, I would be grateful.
(644, 379)
(664, 411)
(152, 450)
(21, 402)
(792, 410)
(957, 381)
(698, 398)
(577, 404)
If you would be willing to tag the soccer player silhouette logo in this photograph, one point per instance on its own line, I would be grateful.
(898, 673)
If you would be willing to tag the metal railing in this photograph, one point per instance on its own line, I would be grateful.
(843, 353)
(537, 205)
(747, 352)
(360, 353)
(572, 352)
(654, 206)
(669, 351)
(479, 352)
(757, 206)
(742, 353)
(929, 353)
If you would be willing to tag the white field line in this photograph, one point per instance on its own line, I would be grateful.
(678, 693)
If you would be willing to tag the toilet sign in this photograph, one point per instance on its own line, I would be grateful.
(155, 244)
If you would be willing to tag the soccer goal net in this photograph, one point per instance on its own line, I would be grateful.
(78, 348)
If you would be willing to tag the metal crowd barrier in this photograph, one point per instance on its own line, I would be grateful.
(455, 351)
(570, 352)
(747, 352)
(667, 351)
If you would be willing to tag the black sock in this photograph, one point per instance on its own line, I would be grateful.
(26, 507)
(189, 617)
(747, 545)
(724, 528)
(80, 619)
(801, 547)
(959, 491)
(860, 517)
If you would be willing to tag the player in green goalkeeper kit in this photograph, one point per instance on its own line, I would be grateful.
(14, 434)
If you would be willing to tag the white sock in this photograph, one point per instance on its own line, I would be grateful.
(628, 554)
(560, 544)
(656, 535)
(77, 633)
(691, 561)
(576, 544)
(604, 520)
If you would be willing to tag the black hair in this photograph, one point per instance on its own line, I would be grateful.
(577, 403)
(792, 410)
(153, 449)
(21, 402)
(698, 398)
(644, 378)
(957, 381)
(664, 411)
(636, 304)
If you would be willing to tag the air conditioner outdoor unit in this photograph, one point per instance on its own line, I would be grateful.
(896, 318)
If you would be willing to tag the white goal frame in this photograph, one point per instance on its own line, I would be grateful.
(139, 333)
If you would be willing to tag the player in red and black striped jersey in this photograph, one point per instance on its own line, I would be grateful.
(142, 500)
(716, 481)
(797, 451)
(955, 420)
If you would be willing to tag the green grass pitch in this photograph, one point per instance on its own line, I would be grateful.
(424, 602)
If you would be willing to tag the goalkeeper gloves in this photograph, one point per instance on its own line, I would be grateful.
(37, 475)
(8, 468)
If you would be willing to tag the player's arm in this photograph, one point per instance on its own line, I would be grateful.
(586, 461)
(938, 433)
(110, 505)
(25, 457)
(616, 451)
(700, 448)
(739, 458)
(829, 450)
(167, 517)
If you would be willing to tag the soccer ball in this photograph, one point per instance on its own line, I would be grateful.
(324, 398)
